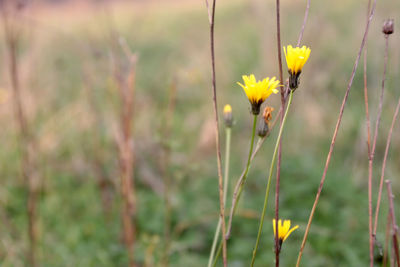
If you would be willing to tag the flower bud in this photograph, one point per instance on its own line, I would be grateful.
(263, 127)
(228, 117)
(388, 26)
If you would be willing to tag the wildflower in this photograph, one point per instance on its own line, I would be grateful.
(228, 118)
(263, 128)
(388, 26)
(295, 59)
(283, 230)
(258, 92)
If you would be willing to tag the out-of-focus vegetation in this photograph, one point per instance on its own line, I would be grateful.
(71, 102)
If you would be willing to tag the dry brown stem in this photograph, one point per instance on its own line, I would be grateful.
(211, 16)
(125, 81)
(339, 120)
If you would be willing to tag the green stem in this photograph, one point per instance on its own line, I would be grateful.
(271, 169)
(239, 186)
(226, 182)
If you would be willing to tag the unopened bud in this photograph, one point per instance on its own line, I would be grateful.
(388, 26)
(228, 117)
(263, 127)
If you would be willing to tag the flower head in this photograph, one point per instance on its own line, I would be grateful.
(258, 91)
(284, 230)
(228, 118)
(296, 58)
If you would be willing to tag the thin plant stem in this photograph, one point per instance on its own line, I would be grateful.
(368, 140)
(387, 144)
(211, 16)
(242, 180)
(277, 189)
(387, 235)
(328, 159)
(271, 169)
(260, 142)
(244, 173)
(393, 222)
(303, 26)
(228, 132)
(371, 158)
(366, 90)
(283, 92)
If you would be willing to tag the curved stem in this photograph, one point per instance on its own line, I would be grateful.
(271, 170)
(240, 184)
(226, 182)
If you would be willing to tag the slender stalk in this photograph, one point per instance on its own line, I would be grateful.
(371, 159)
(271, 169)
(393, 222)
(258, 146)
(228, 131)
(328, 159)
(126, 89)
(240, 183)
(366, 90)
(387, 234)
(303, 26)
(277, 189)
(387, 146)
(283, 92)
(389, 138)
(211, 16)
(368, 131)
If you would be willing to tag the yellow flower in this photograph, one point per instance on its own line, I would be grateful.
(258, 91)
(228, 118)
(296, 58)
(284, 230)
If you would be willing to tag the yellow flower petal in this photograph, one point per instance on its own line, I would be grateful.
(258, 91)
(296, 58)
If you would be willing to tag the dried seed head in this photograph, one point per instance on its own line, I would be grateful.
(228, 117)
(388, 26)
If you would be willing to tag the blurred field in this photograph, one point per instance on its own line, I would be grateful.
(71, 103)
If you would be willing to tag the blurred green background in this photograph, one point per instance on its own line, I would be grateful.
(71, 102)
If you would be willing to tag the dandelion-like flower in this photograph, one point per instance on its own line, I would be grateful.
(296, 57)
(228, 118)
(284, 230)
(258, 91)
